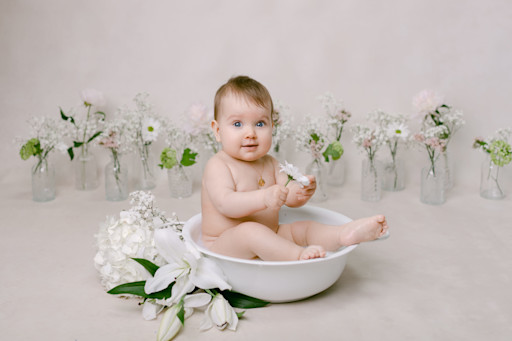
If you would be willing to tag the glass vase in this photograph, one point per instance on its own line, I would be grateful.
(336, 172)
(180, 182)
(445, 162)
(86, 172)
(433, 191)
(370, 181)
(116, 179)
(490, 187)
(147, 179)
(317, 168)
(393, 175)
(43, 181)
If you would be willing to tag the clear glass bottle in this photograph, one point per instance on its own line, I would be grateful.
(43, 181)
(370, 180)
(336, 172)
(317, 168)
(116, 179)
(147, 178)
(86, 172)
(180, 181)
(490, 187)
(393, 175)
(433, 191)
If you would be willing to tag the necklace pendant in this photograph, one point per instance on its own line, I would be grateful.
(261, 182)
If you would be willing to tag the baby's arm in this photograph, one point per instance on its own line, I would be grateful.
(298, 195)
(220, 187)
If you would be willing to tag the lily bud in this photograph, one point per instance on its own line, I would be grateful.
(170, 325)
(221, 314)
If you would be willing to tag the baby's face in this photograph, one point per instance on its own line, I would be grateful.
(243, 128)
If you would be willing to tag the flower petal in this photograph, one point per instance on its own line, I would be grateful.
(164, 276)
(197, 300)
(182, 287)
(209, 275)
(150, 309)
(169, 245)
(170, 325)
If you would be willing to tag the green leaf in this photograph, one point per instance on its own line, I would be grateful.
(101, 113)
(94, 136)
(181, 314)
(71, 153)
(137, 289)
(240, 314)
(315, 137)
(66, 118)
(239, 300)
(151, 267)
(188, 158)
(77, 144)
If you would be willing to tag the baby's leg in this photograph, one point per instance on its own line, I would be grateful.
(251, 239)
(332, 237)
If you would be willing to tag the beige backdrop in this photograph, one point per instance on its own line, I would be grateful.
(371, 54)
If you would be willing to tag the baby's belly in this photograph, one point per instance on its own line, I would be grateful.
(214, 223)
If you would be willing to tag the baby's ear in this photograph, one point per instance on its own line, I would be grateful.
(215, 129)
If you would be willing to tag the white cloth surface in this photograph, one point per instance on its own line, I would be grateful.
(444, 274)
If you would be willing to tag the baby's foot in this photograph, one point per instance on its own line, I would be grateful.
(312, 251)
(363, 230)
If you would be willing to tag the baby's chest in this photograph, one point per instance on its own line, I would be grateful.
(250, 182)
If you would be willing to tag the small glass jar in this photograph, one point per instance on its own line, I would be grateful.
(370, 180)
(336, 172)
(116, 179)
(433, 183)
(393, 175)
(43, 181)
(180, 181)
(317, 168)
(147, 176)
(86, 172)
(490, 187)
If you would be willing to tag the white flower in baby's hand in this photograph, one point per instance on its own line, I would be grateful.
(293, 174)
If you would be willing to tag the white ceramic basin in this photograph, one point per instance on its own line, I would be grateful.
(280, 281)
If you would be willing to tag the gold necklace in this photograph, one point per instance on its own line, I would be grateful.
(261, 182)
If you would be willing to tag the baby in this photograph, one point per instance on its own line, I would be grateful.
(243, 189)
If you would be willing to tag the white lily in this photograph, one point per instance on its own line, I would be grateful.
(220, 313)
(186, 266)
(293, 174)
(170, 325)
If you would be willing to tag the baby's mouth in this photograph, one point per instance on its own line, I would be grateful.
(249, 145)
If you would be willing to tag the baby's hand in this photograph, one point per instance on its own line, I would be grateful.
(275, 196)
(304, 194)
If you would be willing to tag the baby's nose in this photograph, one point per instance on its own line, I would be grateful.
(250, 132)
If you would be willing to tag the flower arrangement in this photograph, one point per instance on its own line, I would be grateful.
(85, 131)
(396, 133)
(46, 135)
(369, 139)
(184, 280)
(118, 140)
(281, 120)
(130, 235)
(498, 148)
(145, 127)
(198, 126)
(311, 137)
(337, 116)
(434, 112)
(434, 140)
(179, 151)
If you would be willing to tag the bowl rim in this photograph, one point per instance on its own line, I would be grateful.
(331, 255)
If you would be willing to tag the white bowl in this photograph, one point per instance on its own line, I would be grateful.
(280, 281)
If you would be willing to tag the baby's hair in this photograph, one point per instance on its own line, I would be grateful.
(247, 87)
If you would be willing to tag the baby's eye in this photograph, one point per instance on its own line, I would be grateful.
(260, 124)
(237, 124)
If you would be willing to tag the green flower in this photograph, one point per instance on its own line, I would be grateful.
(31, 148)
(168, 158)
(501, 152)
(335, 150)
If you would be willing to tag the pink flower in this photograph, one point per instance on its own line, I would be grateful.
(419, 137)
(367, 143)
(426, 102)
(199, 118)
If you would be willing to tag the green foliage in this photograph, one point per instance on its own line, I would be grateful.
(151, 267)
(168, 158)
(501, 152)
(31, 148)
(239, 300)
(188, 158)
(137, 289)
